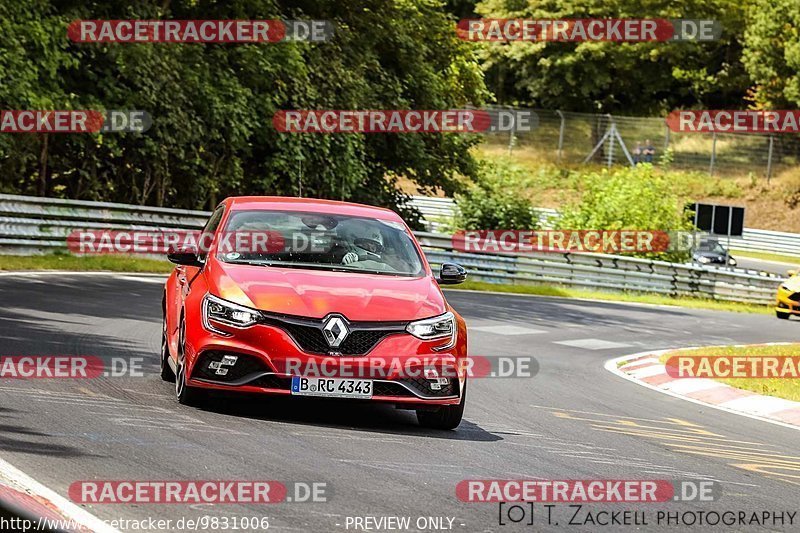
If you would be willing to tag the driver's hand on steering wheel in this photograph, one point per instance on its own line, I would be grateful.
(349, 257)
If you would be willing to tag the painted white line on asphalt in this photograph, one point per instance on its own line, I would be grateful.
(159, 280)
(18, 479)
(612, 366)
(760, 405)
(578, 300)
(507, 330)
(36, 273)
(593, 344)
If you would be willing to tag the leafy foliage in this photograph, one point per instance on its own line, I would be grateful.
(635, 198)
(608, 77)
(212, 105)
(772, 52)
(494, 202)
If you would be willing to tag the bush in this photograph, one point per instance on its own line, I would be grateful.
(494, 201)
(632, 199)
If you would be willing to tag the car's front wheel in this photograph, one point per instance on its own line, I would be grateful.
(186, 395)
(445, 417)
(166, 371)
(783, 316)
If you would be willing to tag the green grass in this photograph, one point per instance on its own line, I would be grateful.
(114, 263)
(787, 388)
(565, 292)
(780, 258)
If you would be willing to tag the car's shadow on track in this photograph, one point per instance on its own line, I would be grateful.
(342, 414)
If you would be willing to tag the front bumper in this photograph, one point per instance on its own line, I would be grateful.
(788, 302)
(268, 356)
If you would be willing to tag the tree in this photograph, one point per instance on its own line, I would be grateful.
(772, 53)
(212, 105)
(609, 77)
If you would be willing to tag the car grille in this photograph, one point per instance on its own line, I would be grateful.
(382, 388)
(271, 381)
(420, 385)
(307, 334)
(423, 386)
(311, 339)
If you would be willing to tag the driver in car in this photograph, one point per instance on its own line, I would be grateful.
(363, 243)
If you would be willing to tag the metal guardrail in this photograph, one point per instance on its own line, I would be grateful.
(439, 210)
(31, 225)
(602, 271)
(759, 240)
(437, 213)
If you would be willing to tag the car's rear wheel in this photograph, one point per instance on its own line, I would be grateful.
(445, 417)
(783, 316)
(186, 395)
(166, 371)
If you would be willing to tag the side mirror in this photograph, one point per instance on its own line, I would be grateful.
(451, 274)
(186, 256)
(791, 273)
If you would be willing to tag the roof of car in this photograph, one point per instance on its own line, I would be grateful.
(311, 205)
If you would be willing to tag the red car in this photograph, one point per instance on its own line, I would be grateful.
(291, 296)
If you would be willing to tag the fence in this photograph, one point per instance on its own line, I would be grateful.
(30, 225)
(438, 211)
(567, 137)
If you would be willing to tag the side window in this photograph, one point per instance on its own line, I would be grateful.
(208, 232)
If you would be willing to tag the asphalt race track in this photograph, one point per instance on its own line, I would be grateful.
(574, 420)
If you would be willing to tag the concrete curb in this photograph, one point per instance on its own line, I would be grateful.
(644, 369)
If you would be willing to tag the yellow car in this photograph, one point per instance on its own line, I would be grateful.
(788, 298)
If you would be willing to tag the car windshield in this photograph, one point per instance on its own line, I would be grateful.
(318, 241)
(712, 246)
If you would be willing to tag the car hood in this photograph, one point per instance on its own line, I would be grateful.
(316, 293)
(793, 283)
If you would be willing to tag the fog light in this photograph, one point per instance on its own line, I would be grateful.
(438, 383)
(219, 366)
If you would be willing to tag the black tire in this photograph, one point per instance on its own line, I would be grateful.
(185, 394)
(166, 371)
(445, 417)
(782, 316)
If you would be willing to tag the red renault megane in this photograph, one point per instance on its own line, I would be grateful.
(291, 296)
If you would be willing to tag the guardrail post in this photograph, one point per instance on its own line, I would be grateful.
(560, 135)
(769, 160)
(713, 154)
(610, 158)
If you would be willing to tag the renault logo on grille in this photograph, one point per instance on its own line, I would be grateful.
(335, 331)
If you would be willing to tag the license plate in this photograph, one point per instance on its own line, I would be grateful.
(332, 387)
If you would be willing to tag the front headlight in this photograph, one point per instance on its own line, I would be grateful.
(439, 327)
(787, 289)
(228, 313)
(703, 259)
